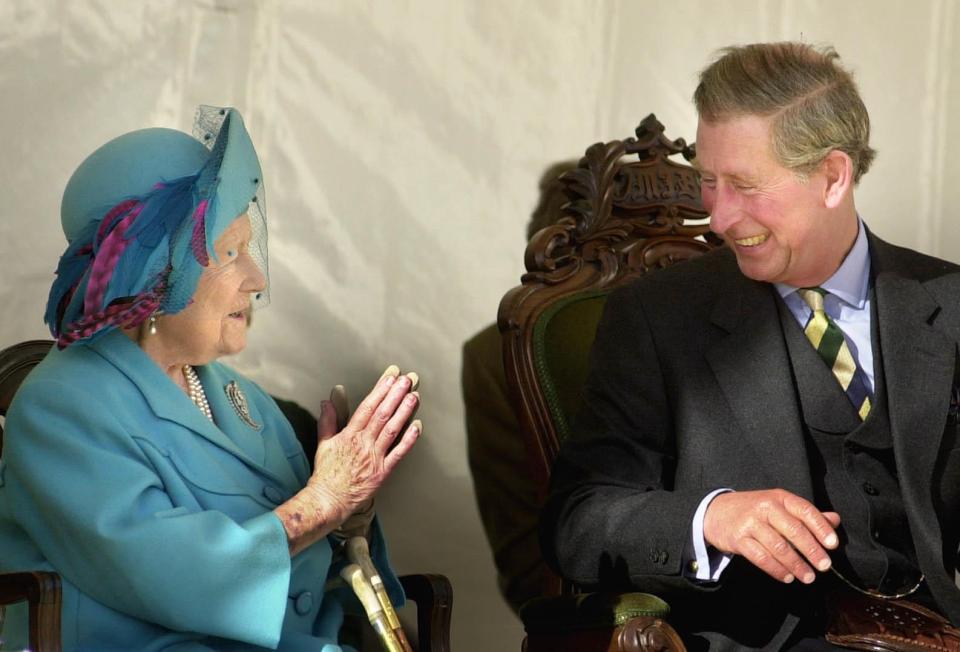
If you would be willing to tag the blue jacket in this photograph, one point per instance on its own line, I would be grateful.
(159, 522)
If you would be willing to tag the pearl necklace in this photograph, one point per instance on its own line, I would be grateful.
(195, 391)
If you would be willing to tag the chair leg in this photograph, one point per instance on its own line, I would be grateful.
(648, 634)
(433, 596)
(41, 590)
(639, 634)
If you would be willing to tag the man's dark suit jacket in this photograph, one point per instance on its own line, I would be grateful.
(691, 389)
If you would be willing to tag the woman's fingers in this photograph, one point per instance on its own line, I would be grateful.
(403, 446)
(327, 423)
(394, 426)
(390, 404)
(338, 396)
(388, 407)
(365, 410)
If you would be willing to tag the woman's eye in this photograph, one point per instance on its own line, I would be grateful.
(231, 253)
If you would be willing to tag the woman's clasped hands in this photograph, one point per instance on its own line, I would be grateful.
(353, 462)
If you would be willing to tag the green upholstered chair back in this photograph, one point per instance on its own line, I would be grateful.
(562, 338)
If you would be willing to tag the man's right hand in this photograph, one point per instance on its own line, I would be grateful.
(779, 532)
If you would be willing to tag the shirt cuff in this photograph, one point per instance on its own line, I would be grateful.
(707, 563)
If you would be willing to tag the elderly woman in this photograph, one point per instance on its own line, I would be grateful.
(168, 490)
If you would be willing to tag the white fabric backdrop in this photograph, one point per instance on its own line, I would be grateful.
(401, 144)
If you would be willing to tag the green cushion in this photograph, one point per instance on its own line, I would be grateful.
(562, 338)
(589, 611)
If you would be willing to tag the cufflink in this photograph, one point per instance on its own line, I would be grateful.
(693, 566)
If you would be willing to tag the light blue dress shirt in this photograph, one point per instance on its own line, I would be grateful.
(848, 304)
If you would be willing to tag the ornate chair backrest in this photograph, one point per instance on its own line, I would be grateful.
(16, 361)
(626, 217)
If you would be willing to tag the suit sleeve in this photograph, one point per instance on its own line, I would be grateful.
(613, 518)
(109, 527)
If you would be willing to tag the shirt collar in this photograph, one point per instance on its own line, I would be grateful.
(849, 283)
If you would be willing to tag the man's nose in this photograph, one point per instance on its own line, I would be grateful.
(723, 211)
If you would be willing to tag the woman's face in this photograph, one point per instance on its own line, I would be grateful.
(215, 322)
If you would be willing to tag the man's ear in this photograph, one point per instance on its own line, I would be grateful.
(837, 168)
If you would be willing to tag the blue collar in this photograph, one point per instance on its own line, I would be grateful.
(851, 280)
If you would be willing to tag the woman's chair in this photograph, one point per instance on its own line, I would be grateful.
(625, 218)
(432, 594)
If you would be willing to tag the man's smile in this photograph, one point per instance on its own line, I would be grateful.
(752, 241)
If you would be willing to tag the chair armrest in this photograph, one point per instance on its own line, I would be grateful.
(433, 595)
(41, 591)
(627, 622)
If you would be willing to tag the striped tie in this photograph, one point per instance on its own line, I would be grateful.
(828, 340)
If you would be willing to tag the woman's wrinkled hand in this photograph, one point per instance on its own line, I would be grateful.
(350, 465)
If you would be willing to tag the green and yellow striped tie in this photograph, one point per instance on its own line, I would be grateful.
(828, 340)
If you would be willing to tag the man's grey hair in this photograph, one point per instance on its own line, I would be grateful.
(813, 102)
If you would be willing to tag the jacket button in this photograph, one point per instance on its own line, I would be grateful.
(273, 494)
(303, 603)
(869, 489)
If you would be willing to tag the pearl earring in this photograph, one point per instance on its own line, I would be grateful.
(153, 324)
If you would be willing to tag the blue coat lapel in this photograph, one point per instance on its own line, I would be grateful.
(170, 403)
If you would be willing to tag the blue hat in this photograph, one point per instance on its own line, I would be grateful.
(141, 215)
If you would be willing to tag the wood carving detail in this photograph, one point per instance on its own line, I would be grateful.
(615, 201)
(648, 635)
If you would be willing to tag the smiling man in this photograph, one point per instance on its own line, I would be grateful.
(769, 433)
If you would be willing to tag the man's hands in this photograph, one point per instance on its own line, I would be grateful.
(779, 532)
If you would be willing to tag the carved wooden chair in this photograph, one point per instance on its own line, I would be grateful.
(626, 217)
(432, 594)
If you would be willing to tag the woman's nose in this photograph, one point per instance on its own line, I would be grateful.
(255, 281)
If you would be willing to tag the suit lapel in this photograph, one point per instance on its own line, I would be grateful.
(918, 367)
(919, 357)
(753, 370)
(918, 343)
